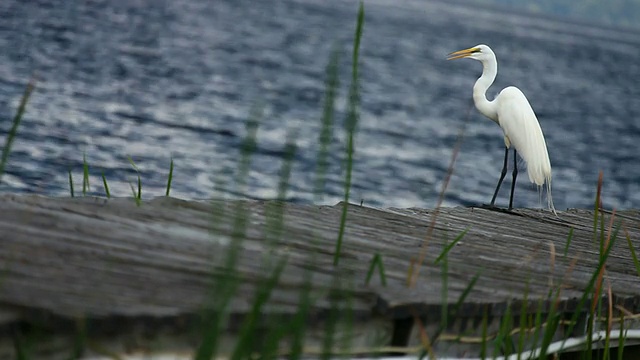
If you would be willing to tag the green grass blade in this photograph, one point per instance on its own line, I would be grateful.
(553, 320)
(27, 338)
(483, 344)
(71, 184)
(290, 149)
(376, 262)
(351, 122)
(537, 324)
(22, 352)
(381, 272)
(331, 86)
(636, 263)
(444, 295)
(588, 351)
(275, 210)
(596, 207)
(331, 320)
(616, 230)
(170, 177)
(6, 150)
(466, 292)
(247, 149)
(271, 344)
(347, 316)
(135, 196)
(602, 234)
(210, 331)
(222, 291)
(250, 327)
(354, 64)
(298, 324)
(607, 344)
(133, 164)
(552, 323)
(566, 246)
(448, 317)
(502, 343)
(80, 340)
(522, 322)
(227, 282)
(85, 175)
(590, 285)
(329, 334)
(445, 251)
(218, 211)
(621, 338)
(106, 186)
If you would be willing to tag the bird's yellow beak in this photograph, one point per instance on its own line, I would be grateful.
(462, 53)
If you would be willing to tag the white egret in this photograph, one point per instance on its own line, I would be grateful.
(511, 110)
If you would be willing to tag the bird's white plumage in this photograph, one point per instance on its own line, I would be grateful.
(521, 127)
(512, 111)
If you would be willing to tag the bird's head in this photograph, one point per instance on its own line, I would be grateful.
(479, 52)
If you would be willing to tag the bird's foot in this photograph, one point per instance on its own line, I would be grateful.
(498, 209)
(490, 207)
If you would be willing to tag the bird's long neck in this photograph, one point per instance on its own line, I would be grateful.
(486, 107)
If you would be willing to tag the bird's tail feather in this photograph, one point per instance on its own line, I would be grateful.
(549, 199)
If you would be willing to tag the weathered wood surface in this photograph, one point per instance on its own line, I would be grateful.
(121, 266)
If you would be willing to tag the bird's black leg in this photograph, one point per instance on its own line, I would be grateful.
(515, 175)
(502, 175)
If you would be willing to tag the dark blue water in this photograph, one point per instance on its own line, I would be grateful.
(153, 79)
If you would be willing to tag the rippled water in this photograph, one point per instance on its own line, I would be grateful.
(154, 79)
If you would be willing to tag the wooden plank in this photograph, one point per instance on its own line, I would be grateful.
(110, 259)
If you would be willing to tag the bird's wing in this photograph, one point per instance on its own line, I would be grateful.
(520, 125)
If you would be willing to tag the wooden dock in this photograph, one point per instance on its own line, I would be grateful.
(138, 278)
